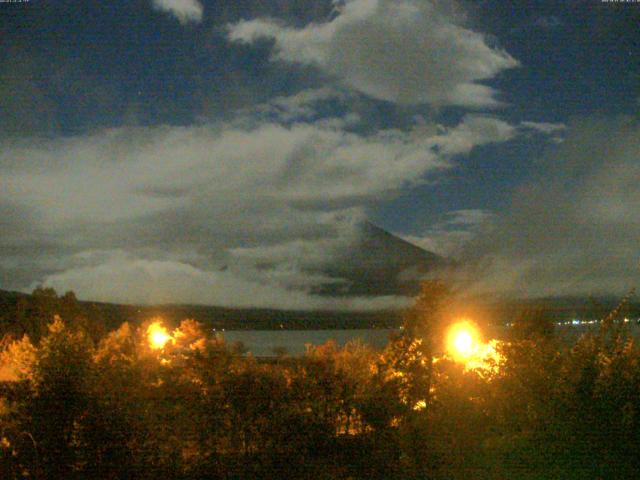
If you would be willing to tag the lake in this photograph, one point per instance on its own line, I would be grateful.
(263, 343)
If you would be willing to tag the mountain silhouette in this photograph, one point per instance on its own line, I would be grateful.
(378, 263)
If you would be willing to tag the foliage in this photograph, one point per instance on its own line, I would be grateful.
(545, 407)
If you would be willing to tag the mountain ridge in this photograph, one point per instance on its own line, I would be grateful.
(379, 263)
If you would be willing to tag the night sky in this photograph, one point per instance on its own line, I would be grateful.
(222, 152)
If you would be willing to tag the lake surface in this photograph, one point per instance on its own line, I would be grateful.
(263, 343)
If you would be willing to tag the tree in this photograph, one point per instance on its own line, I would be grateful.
(63, 364)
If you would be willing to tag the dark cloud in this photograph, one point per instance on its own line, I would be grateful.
(547, 22)
(574, 228)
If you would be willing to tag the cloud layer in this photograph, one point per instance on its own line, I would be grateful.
(574, 228)
(170, 281)
(233, 203)
(185, 11)
(406, 52)
(450, 236)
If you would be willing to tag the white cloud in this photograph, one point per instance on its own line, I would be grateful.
(125, 173)
(261, 199)
(300, 106)
(162, 281)
(406, 52)
(472, 131)
(544, 127)
(184, 10)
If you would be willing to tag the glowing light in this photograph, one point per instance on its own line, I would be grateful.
(158, 336)
(463, 340)
(420, 405)
(465, 345)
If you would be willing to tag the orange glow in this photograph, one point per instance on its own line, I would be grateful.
(465, 345)
(158, 335)
(463, 340)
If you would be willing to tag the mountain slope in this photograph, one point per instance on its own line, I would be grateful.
(379, 263)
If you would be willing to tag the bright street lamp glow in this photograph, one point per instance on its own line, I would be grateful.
(463, 343)
(158, 336)
(463, 340)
